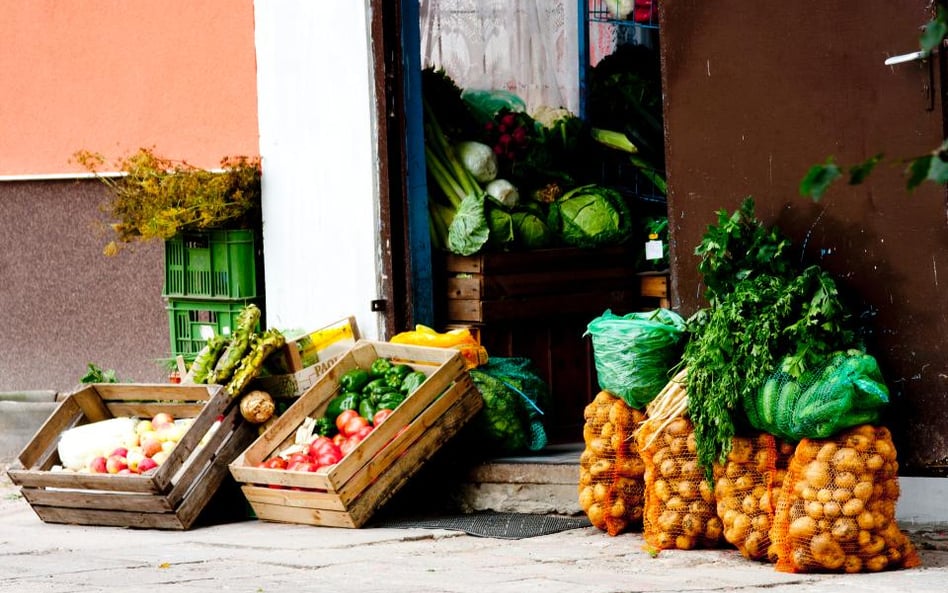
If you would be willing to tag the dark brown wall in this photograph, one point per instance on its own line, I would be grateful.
(64, 304)
(755, 93)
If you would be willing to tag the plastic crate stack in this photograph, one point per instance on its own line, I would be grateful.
(209, 277)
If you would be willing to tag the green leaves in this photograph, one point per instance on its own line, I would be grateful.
(931, 167)
(820, 177)
(934, 31)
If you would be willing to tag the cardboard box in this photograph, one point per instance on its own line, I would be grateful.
(349, 492)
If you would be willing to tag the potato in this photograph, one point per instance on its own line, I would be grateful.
(600, 447)
(845, 529)
(826, 452)
(601, 467)
(853, 507)
(832, 509)
(669, 520)
(847, 459)
(586, 498)
(814, 509)
(802, 528)
(707, 493)
(712, 530)
(257, 407)
(852, 564)
(749, 505)
(741, 451)
(684, 542)
(827, 552)
(678, 426)
(817, 474)
(845, 480)
(617, 510)
(692, 525)
(600, 491)
(875, 546)
(676, 503)
(596, 515)
(691, 443)
(687, 489)
(761, 523)
(661, 489)
(668, 468)
(877, 563)
(753, 545)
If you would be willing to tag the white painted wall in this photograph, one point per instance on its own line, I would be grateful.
(316, 113)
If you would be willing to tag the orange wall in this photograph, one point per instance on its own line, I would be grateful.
(111, 76)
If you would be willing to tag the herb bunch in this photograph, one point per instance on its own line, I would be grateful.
(156, 198)
(763, 312)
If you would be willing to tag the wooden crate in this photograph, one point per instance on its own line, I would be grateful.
(173, 496)
(349, 492)
(492, 287)
(653, 288)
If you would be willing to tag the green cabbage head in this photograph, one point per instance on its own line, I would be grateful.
(591, 216)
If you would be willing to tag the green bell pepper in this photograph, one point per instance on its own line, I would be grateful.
(367, 409)
(389, 400)
(380, 367)
(325, 427)
(395, 375)
(347, 400)
(412, 381)
(354, 380)
(376, 386)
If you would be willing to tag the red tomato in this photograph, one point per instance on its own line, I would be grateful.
(329, 458)
(363, 432)
(324, 448)
(344, 418)
(339, 439)
(298, 458)
(353, 424)
(380, 416)
(350, 444)
(275, 463)
(302, 466)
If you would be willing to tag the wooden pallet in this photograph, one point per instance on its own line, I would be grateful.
(348, 493)
(173, 496)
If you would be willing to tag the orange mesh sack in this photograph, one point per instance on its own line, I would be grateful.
(836, 510)
(611, 471)
(745, 489)
(680, 510)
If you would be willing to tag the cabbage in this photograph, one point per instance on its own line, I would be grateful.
(591, 216)
(531, 231)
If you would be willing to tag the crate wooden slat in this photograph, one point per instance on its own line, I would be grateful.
(347, 493)
(173, 496)
(491, 287)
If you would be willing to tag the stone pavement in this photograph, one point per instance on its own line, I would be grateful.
(261, 557)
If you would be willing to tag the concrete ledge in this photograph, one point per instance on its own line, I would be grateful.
(19, 422)
(28, 396)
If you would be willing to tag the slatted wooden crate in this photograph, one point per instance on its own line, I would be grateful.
(171, 497)
(348, 493)
(492, 287)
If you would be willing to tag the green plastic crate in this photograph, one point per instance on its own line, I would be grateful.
(191, 323)
(212, 265)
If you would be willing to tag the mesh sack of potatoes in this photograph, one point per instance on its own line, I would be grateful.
(836, 510)
(680, 511)
(745, 488)
(611, 471)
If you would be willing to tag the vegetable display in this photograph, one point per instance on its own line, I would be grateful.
(591, 216)
(366, 398)
(247, 321)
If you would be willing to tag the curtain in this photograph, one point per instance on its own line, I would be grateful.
(527, 47)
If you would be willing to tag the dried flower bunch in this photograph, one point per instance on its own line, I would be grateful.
(156, 198)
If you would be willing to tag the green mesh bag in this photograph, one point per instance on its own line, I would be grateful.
(515, 396)
(635, 352)
(847, 391)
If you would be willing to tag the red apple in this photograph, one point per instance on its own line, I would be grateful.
(161, 419)
(97, 465)
(114, 464)
(151, 444)
(119, 452)
(146, 464)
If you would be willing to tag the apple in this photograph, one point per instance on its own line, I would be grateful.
(151, 444)
(134, 458)
(144, 426)
(160, 457)
(97, 465)
(167, 447)
(114, 464)
(119, 452)
(162, 419)
(147, 464)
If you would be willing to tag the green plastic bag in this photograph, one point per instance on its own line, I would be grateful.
(635, 352)
(515, 396)
(847, 391)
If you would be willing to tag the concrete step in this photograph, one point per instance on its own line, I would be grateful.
(546, 482)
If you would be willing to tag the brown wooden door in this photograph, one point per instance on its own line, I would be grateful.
(756, 93)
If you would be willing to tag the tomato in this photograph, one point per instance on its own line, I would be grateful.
(343, 418)
(329, 457)
(350, 444)
(339, 439)
(302, 466)
(363, 432)
(298, 458)
(354, 424)
(380, 416)
(274, 463)
(322, 449)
